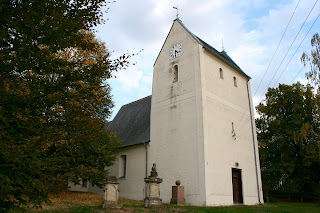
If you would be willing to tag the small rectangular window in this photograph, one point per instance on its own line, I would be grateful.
(123, 166)
(84, 183)
(235, 82)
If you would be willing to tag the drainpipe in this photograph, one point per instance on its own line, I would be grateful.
(146, 146)
(145, 188)
(254, 143)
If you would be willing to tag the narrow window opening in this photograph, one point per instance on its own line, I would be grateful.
(175, 73)
(123, 166)
(233, 132)
(221, 73)
(235, 82)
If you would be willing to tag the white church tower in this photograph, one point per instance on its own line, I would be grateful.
(198, 127)
(199, 99)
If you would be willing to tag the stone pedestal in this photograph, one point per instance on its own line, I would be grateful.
(111, 193)
(178, 195)
(153, 189)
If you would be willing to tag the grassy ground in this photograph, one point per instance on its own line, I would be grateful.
(88, 202)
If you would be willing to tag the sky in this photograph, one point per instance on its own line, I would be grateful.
(251, 31)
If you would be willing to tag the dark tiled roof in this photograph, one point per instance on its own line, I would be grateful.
(221, 55)
(133, 122)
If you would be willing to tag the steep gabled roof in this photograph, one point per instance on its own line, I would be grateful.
(132, 123)
(221, 55)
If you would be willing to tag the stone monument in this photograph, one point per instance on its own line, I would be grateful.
(178, 194)
(111, 193)
(153, 189)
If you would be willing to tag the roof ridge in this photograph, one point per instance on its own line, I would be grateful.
(137, 100)
(222, 55)
(213, 50)
(193, 35)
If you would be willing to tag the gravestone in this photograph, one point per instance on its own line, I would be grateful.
(111, 193)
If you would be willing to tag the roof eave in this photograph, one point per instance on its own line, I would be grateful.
(123, 146)
(212, 52)
(224, 60)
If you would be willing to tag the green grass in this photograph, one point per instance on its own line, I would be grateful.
(92, 203)
(273, 207)
(281, 207)
(137, 206)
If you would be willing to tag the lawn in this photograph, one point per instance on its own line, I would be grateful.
(89, 202)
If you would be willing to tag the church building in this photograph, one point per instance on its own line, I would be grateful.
(188, 127)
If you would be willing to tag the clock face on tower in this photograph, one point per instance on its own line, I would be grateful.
(175, 51)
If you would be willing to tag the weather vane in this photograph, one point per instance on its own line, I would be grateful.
(176, 8)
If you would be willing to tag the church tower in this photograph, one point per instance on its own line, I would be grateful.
(199, 99)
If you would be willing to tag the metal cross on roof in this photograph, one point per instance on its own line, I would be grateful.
(176, 8)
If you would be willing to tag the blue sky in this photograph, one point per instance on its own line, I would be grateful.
(251, 30)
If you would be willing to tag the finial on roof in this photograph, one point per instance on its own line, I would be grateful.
(176, 8)
(222, 46)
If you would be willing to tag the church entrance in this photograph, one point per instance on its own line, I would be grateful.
(237, 186)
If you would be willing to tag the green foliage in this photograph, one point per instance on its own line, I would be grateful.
(54, 99)
(288, 140)
(313, 59)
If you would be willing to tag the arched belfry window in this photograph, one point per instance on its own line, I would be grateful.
(221, 73)
(175, 73)
(235, 81)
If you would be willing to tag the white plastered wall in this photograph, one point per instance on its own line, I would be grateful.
(176, 119)
(132, 186)
(223, 104)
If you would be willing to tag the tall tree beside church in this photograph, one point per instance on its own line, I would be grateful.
(288, 140)
(313, 59)
(54, 99)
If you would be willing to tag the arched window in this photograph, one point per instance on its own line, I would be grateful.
(221, 73)
(235, 82)
(175, 73)
(123, 166)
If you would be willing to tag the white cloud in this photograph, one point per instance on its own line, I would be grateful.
(129, 78)
(251, 30)
(209, 6)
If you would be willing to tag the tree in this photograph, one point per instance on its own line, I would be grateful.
(288, 140)
(54, 99)
(313, 59)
